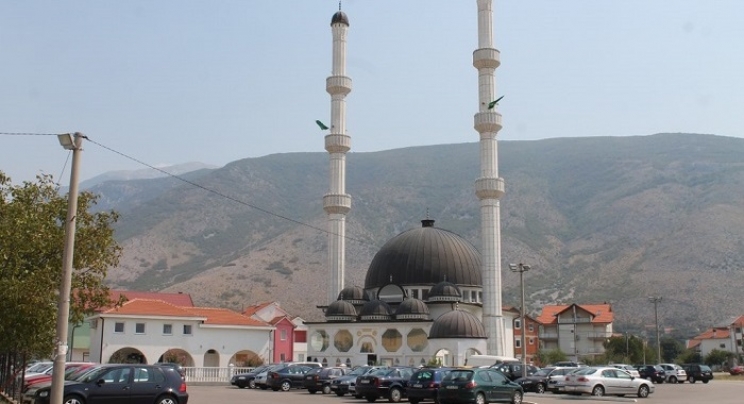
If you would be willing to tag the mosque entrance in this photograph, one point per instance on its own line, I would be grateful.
(371, 360)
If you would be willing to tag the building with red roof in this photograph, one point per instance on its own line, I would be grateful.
(579, 330)
(290, 333)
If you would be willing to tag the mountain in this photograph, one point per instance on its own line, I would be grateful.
(614, 219)
(145, 173)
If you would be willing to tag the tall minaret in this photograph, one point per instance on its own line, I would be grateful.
(489, 187)
(336, 202)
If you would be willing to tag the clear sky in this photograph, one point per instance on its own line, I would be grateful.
(173, 81)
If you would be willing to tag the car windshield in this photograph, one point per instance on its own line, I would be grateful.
(359, 371)
(459, 376)
(379, 372)
(92, 375)
(704, 368)
(314, 371)
(543, 372)
(585, 371)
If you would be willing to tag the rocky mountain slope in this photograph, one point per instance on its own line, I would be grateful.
(598, 219)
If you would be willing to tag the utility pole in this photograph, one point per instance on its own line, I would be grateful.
(656, 300)
(74, 143)
(522, 268)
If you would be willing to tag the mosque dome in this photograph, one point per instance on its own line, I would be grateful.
(340, 310)
(444, 292)
(457, 324)
(375, 310)
(340, 17)
(425, 256)
(353, 295)
(412, 309)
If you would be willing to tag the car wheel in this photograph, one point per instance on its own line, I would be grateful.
(517, 397)
(340, 393)
(286, 385)
(166, 400)
(311, 391)
(240, 385)
(73, 400)
(705, 381)
(480, 399)
(598, 391)
(371, 399)
(251, 384)
(540, 388)
(327, 389)
(395, 395)
(643, 391)
(672, 380)
(691, 379)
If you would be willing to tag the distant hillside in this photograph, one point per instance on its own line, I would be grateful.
(598, 219)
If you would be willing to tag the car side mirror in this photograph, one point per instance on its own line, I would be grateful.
(100, 382)
(505, 382)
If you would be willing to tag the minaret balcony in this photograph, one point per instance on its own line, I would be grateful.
(487, 121)
(486, 58)
(338, 85)
(337, 203)
(337, 143)
(489, 188)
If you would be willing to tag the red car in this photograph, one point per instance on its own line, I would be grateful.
(736, 370)
(70, 369)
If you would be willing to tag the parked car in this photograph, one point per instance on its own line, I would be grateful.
(29, 395)
(389, 383)
(628, 368)
(513, 369)
(736, 370)
(599, 381)
(674, 373)
(540, 380)
(122, 383)
(655, 373)
(176, 366)
(557, 379)
(286, 377)
(479, 385)
(347, 383)
(319, 379)
(697, 372)
(260, 379)
(569, 364)
(70, 369)
(247, 379)
(424, 384)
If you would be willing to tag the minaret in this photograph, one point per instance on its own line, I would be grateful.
(489, 187)
(336, 202)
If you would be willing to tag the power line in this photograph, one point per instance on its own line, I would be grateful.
(29, 134)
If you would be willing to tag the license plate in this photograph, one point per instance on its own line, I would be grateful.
(452, 387)
(334, 387)
(364, 381)
(418, 386)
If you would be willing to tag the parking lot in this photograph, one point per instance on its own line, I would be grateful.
(718, 392)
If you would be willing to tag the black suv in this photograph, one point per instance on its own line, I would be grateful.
(424, 384)
(513, 369)
(697, 372)
(655, 373)
(320, 379)
(388, 383)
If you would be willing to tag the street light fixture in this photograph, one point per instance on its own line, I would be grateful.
(522, 268)
(74, 143)
(656, 300)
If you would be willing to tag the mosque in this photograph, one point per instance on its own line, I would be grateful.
(428, 294)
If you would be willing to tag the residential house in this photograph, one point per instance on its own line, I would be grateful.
(289, 341)
(531, 336)
(724, 337)
(579, 330)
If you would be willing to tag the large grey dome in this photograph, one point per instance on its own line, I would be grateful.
(412, 309)
(457, 324)
(340, 310)
(375, 310)
(353, 295)
(425, 256)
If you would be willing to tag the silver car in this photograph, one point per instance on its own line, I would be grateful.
(674, 373)
(628, 368)
(599, 381)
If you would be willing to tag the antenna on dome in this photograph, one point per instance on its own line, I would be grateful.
(339, 5)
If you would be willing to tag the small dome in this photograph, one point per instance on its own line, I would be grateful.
(444, 292)
(457, 324)
(340, 18)
(353, 295)
(412, 309)
(424, 256)
(340, 310)
(375, 310)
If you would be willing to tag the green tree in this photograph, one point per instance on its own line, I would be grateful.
(670, 349)
(624, 349)
(689, 356)
(546, 357)
(718, 357)
(32, 218)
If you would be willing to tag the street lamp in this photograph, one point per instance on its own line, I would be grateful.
(74, 143)
(522, 268)
(656, 300)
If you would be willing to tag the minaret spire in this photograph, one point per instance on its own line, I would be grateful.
(489, 188)
(336, 202)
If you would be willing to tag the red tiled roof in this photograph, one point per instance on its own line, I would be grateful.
(220, 316)
(602, 313)
(714, 333)
(176, 299)
(150, 307)
(251, 310)
(278, 319)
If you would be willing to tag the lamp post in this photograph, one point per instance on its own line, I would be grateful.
(656, 300)
(74, 143)
(522, 268)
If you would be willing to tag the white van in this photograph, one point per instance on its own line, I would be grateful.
(487, 360)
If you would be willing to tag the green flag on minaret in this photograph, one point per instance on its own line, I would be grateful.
(321, 125)
(494, 102)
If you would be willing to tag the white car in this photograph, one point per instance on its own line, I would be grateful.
(605, 380)
(674, 373)
(628, 368)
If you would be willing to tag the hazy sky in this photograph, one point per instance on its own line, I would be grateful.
(172, 81)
